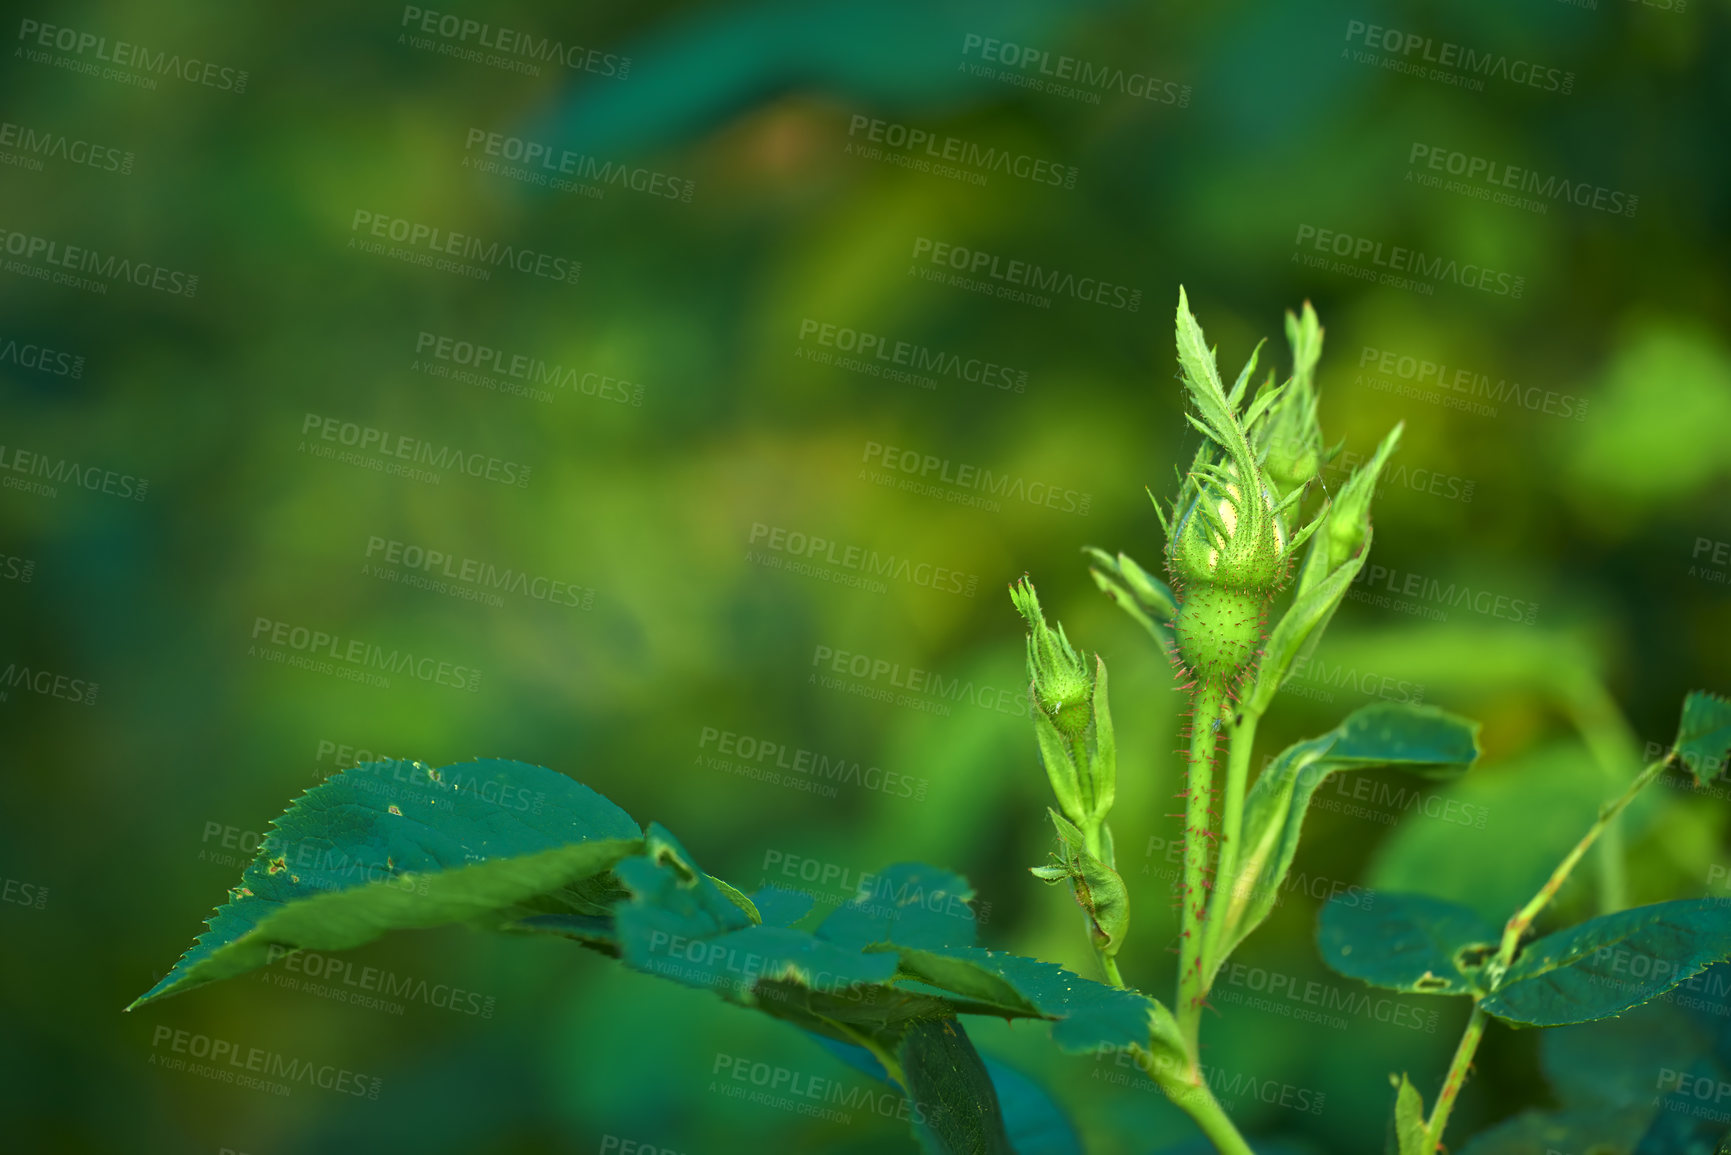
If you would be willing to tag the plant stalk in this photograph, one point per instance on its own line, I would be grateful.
(1197, 828)
(1511, 941)
(1243, 741)
(1523, 919)
(1457, 1077)
(1193, 1096)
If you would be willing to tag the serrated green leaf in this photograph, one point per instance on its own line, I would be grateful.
(910, 904)
(1704, 735)
(1085, 1015)
(1406, 942)
(401, 845)
(1409, 1125)
(779, 906)
(1611, 964)
(1418, 739)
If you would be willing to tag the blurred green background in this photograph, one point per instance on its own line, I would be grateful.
(1591, 488)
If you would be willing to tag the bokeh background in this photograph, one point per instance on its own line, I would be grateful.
(1570, 462)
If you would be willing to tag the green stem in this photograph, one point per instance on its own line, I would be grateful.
(1512, 932)
(1188, 1089)
(1193, 902)
(1243, 741)
(1523, 919)
(1110, 966)
(1457, 1077)
(1613, 746)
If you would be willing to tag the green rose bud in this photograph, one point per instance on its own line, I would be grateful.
(1060, 677)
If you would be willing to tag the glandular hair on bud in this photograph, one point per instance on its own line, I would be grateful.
(1218, 629)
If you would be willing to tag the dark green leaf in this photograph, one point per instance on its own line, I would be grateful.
(1577, 1131)
(1035, 1123)
(1085, 1015)
(1419, 739)
(954, 1105)
(909, 903)
(1611, 964)
(1704, 735)
(1406, 942)
(780, 906)
(400, 845)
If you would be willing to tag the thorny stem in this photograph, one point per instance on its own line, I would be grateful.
(1193, 901)
(1457, 1077)
(1243, 740)
(1512, 932)
(1190, 1092)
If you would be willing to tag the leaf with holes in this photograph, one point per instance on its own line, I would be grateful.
(401, 845)
(1406, 942)
(1704, 735)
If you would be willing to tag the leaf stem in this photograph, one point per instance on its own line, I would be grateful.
(1511, 941)
(1457, 1077)
(1523, 919)
(1190, 1092)
(1198, 795)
